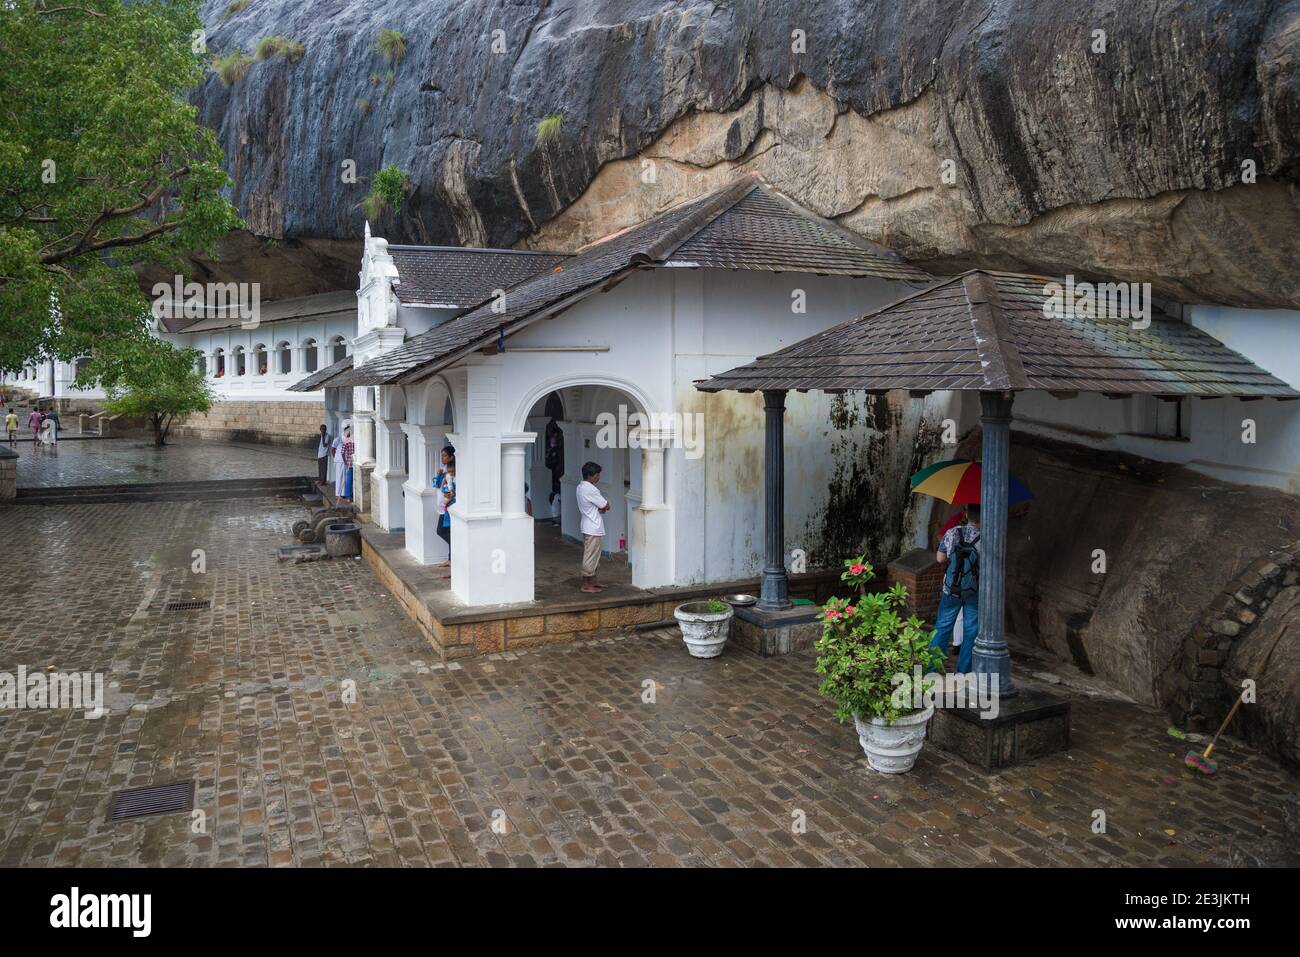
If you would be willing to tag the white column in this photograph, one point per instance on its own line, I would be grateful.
(421, 499)
(491, 544)
(651, 548)
(391, 473)
(514, 458)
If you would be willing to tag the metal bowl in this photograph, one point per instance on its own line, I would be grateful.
(739, 599)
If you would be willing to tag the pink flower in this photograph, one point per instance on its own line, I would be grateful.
(857, 569)
(848, 609)
(833, 614)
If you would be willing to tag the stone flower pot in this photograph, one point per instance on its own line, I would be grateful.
(705, 632)
(892, 746)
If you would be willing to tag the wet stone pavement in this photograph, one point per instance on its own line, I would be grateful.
(135, 459)
(547, 758)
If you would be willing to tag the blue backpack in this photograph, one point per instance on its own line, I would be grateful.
(964, 570)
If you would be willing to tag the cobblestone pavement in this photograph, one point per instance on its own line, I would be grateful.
(134, 459)
(557, 748)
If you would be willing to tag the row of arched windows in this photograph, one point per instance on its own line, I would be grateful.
(278, 361)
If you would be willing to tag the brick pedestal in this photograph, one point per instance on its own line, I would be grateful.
(922, 576)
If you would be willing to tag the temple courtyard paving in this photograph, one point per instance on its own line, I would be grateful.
(552, 757)
(134, 459)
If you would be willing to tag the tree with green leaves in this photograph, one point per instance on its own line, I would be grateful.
(103, 168)
(154, 381)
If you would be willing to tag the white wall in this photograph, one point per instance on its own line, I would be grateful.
(1214, 428)
(273, 385)
(651, 340)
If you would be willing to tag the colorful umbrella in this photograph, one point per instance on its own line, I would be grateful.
(957, 482)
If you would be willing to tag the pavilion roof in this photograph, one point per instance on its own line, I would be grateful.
(744, 225)
(990, 331)
(321, 377)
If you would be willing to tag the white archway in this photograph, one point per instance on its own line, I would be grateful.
(573, 380)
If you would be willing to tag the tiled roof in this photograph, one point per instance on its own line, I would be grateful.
(323, 306)
(991, 332)
(457, 277)
(768, 231)
(321, 377)
(744, 225)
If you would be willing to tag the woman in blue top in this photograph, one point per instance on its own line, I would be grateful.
(445, 483)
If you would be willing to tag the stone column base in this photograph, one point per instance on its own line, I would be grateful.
(1031, 725)
(781, 632)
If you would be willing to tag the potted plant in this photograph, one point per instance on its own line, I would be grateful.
(868, 653)
(706, 626)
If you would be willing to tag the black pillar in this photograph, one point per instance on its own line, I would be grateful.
(990, 652)
(774, 593)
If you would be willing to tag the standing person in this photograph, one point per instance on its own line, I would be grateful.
(961, 584)
(11, 426)
(592, 506)
(34, 422)
(445, 483)
(323, 447)
(554, 460)
(343, 450)
(53, 418)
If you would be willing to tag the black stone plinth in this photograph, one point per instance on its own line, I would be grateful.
(780, 632)
(1031, 725)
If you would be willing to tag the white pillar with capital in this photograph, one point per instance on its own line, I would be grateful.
(651, 548)
(491, 536)
(390, 472)
(421, 497)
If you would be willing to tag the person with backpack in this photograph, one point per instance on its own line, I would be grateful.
(959, 551)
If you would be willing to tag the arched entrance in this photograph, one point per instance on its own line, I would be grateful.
(605, 424)
(429, 414)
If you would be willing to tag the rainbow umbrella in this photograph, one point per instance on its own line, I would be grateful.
(957, 482)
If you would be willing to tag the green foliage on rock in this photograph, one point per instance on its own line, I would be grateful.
(549, 128)
(388, 190)
(154, 381)
(287, 47)
(391, 45)
(232, 66)
(103, 166)
(866, 646)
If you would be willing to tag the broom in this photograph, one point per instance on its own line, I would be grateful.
(1201, 762)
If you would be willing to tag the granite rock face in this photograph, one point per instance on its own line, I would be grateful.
(993, 132)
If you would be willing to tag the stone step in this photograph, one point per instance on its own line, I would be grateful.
(164, 491)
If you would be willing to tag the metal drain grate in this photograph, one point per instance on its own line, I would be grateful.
(146, 802)
(198, 604)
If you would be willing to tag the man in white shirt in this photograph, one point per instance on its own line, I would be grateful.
(592, 506)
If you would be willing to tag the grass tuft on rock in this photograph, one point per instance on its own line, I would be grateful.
(232, 67)
(391, 45)
(287, 47)
(549, 128)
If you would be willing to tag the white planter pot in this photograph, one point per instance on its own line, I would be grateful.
(705, 632)
(892, 747)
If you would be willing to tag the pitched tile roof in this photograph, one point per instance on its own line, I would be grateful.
(321, 377)
(744, 225)
(991, 332)
(325, 305)
(768, 231)
(457, 277)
